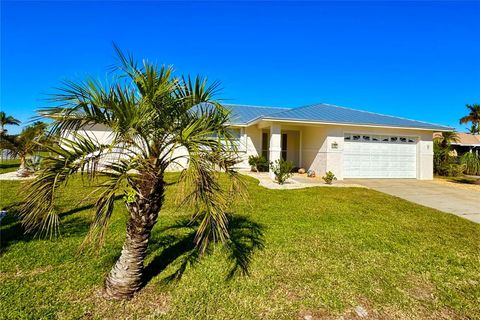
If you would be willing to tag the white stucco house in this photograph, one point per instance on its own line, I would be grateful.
(350, 143)
(322, 137)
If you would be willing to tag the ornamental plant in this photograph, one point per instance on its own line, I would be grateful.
(258, 163)
(150, 113)
(329, 177)
(282, 170)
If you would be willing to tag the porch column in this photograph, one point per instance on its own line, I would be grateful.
(275, 145)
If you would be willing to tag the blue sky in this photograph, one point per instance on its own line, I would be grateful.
(418, 60)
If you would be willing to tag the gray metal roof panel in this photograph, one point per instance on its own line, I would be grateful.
(244, 114)
(323, 113)
(335, 114)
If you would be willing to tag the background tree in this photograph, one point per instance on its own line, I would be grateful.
(474, 117)
(446, 139)
(7, 120)
(444, 163)
(26, 143)
(151, 114)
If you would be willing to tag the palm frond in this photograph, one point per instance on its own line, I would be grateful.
(151, 114)
(210, 150)
(8, 120)
(117, 182)
(473, 115)
(38, 213)
(193, 92)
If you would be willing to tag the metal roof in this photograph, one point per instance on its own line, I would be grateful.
(325, 113)
(243, 114)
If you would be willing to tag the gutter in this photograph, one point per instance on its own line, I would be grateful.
(444, 129)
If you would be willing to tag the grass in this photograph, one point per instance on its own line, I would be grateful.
(326, 251)
(462, 179)
(13, 164)
(9, 165)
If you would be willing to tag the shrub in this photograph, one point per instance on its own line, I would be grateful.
(282, 170)
(258, 163)
(451, 169)
(329, 177)
(444, 164)
(471, 161)
(34, 163)
(252, 161)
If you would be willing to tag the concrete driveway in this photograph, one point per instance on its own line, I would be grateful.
(444, 197)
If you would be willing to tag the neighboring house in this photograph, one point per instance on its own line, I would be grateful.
(323, 137)
(466, 143)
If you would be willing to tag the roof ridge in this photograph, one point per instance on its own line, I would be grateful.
(381, 114)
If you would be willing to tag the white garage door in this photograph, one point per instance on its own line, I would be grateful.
(374, 156)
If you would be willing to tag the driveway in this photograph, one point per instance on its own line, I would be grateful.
(444, 197)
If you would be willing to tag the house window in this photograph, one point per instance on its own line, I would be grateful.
(236, 138)
(284, 146)
(366, 138)
(265, 145)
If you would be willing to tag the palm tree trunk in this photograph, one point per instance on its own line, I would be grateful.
(126, 276)
(22, 163)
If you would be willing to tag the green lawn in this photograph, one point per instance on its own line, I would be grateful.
(9, 165)
(462, 179)
(326, 251)
(12, 165)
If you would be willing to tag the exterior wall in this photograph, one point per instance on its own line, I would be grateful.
(318, 151)
(250, 144)
(313, 147)
(425, 159)
(104, 136)
(101, 133)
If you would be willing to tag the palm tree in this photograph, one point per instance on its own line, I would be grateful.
(473, 117)
(7, 120)
(26, 143)
(446, 139)
(152, 115)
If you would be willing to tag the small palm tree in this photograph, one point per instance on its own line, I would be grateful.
(7, 120)
(26, 143)
(156, 121)
(473, 117)
(446, 139)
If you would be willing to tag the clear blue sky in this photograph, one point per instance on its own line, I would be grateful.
(418, 60)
